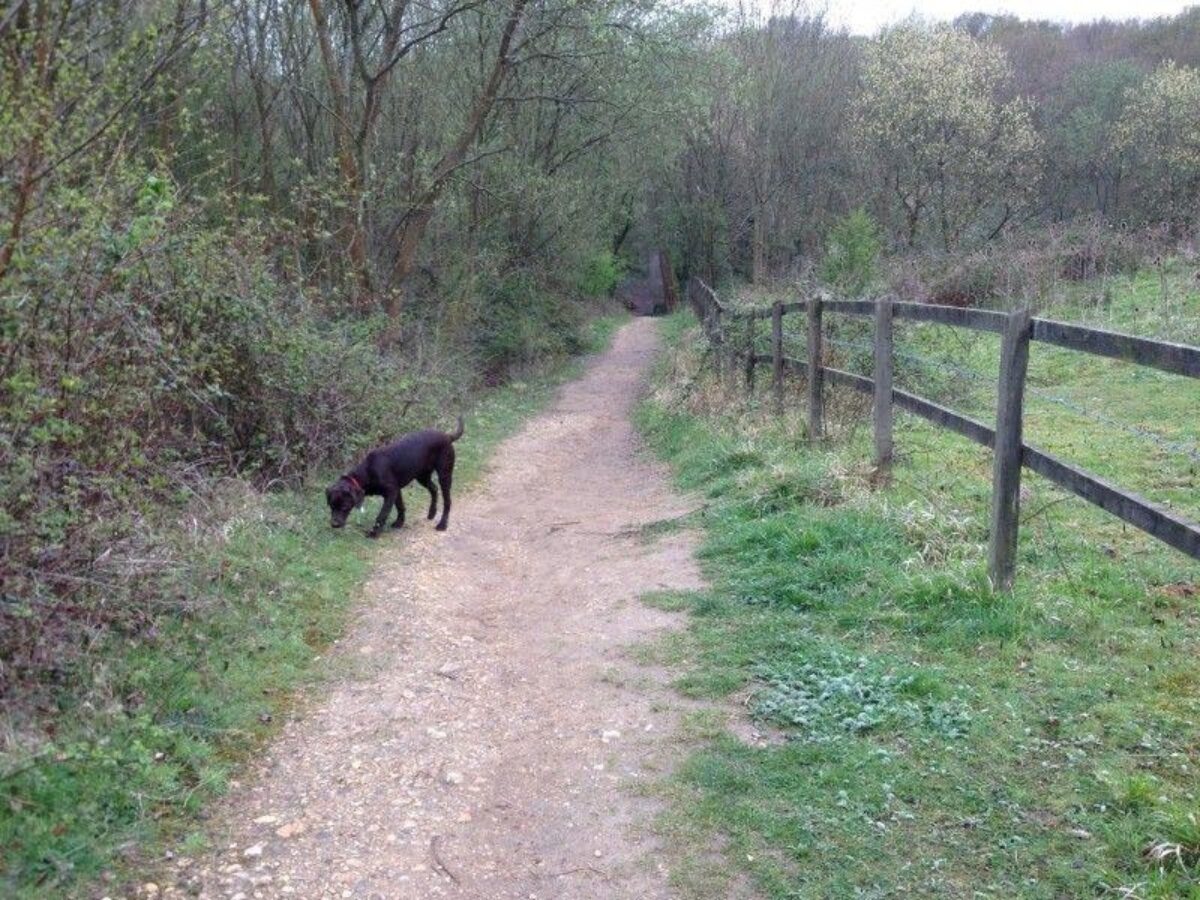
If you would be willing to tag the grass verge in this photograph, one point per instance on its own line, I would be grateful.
(924, 737)
(173, 712)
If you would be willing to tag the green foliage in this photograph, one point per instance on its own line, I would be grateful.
(1079, 147)
(154, 733)
(153, 725)
(952, 134)
(174, 341)
(523, 323)
(1160, 130)
(600, 275)
(852, 254)
(160, 348)
(1033, 268)
(933, 114)
(1092, 102)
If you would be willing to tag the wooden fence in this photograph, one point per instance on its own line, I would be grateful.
(1016, 329)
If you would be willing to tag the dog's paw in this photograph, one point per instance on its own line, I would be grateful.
(398, 524)
(441, 526)
(373, 533)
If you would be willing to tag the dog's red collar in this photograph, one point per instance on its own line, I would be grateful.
(353, 481)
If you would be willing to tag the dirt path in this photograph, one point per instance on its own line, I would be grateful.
(494, 749)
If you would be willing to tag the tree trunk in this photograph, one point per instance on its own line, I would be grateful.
(417, 220)
(758, 261)
(347, 160)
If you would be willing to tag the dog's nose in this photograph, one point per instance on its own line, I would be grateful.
(337, 524)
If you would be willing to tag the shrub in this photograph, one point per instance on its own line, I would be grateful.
(152, 352)
(852, 255)
(1026, 267)
(523, 323)
(600, 275)
(161, 368)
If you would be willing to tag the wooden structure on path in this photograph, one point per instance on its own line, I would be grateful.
(656, 293)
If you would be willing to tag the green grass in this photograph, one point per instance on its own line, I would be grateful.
(123, 777)
(1128, 423)
(932, 739)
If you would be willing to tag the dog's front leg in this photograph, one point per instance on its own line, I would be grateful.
(389, 500)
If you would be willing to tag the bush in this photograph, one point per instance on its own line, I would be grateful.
(155, 346)
(600, 275)
(152, 353)
(1026, 267)
(851, 258)
(161, 370)
(524, 323)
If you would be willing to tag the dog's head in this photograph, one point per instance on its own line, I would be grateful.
(342, 496)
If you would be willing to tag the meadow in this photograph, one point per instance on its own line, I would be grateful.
(918, 734)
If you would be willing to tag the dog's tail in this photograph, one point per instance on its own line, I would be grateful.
(454, 437)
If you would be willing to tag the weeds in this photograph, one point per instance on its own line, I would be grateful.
(823, 695)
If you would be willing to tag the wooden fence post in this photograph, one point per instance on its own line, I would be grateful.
(750, 362)
(777, 354)
(670, 285)
(816, 407)
(1006, 474)
(884, 365)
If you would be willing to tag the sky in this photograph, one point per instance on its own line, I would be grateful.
(867, 16)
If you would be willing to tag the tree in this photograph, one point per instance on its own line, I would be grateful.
(360, 50)
(852, 254)
(72, 77)
(948, 151)
(766, 164)
(1160, 131)
(1085, 168)
(416, 219)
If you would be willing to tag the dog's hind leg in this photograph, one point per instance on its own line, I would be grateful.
(399, 523)
(427, 481)
(445, 472)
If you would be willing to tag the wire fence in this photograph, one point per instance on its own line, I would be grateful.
(734, 335)
(1188, 449)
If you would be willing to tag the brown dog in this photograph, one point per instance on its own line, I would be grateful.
(387, 470)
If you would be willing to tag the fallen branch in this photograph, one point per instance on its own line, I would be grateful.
(592, 869)
(438, 861)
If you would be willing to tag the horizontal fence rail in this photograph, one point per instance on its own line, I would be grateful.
(859, 383)
(1151, 518)
(1179, 359)
(969, 428)
(1011, 454)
